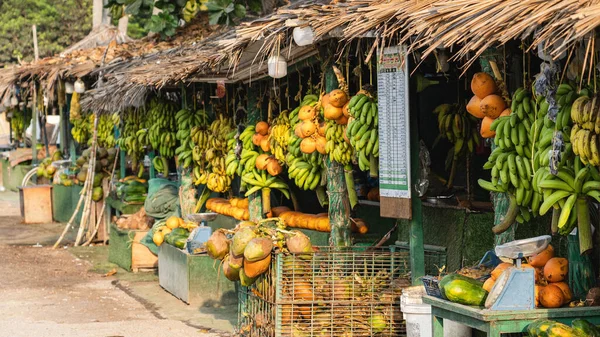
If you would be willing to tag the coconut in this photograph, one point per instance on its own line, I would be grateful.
(98, 180)
(241, 239)
(274, 168)
(217, 245)
(50, 170)
(86, 153)
(257, 249)
(261, 161)
(40, 171)
(232, 274)
(101, 153)
(298, 243)
(103, 162)
(57, 155)
(236, 261)
(80, 161)
(81, 175)
(255, 269)
(246, 281)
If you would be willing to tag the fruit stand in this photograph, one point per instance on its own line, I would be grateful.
(320, 153)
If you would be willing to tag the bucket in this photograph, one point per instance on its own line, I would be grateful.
(418, 316)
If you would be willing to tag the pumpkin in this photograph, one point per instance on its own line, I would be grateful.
(567, 294)
(485, 131)
(483, 85)
(257, 138)
(342, 120)
(274, 168)
(345, 110)
(307, 113)
(308, 145)
(473, 107)
(307, 128)
(322, 129)
(492, 106)
(262, 161)
(551, 296)
(489, 284)
(262, 128)
(539, 260)
(264, 144)
(320, 144)
(500, 269)
(338, 98)
(556, 269)
(332, 113)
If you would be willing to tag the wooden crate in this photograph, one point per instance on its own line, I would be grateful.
(194, 279)
(36, 204)
(126, 251)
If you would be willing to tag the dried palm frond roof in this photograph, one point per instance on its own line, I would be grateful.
(82, 62)
(99, 36)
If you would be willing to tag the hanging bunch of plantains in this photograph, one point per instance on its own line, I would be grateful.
(459, 128)
(131, 140)
(510, 162)
(362, 131)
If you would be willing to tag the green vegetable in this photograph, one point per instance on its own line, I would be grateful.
(180, 232)
(135, 198)
(585, 328)
(463, 290)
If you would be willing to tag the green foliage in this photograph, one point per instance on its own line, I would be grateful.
(60, 23)
(224, 12)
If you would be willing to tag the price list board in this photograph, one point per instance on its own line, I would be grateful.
(394, 133)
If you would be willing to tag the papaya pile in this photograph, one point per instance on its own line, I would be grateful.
(551, 288)
(235, 207)
(318, 222)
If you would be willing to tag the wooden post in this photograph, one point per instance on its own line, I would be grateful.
(34, 113)
(339, 204)
(417, 250)
(254, 200)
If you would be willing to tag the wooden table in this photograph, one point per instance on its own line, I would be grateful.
(495, 323)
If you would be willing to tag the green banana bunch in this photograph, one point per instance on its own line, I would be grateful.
(186, 121)
(18, 123)
(161, 164)
(261, 180)
(161, 126)
(362, 130)
(307, 175)
(200, 175)
(510, 162)
(457, 126)
(82, 126)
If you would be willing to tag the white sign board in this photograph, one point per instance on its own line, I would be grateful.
(394, 123)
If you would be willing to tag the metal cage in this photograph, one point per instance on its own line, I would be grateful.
(353, 292)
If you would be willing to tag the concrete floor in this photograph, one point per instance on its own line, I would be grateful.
(63, 292)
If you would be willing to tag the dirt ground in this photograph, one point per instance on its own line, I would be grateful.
(51, 293)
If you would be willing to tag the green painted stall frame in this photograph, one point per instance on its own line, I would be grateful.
(194, 279)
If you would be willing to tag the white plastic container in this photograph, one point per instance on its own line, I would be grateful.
(418, 317)
(303, 36)
(277, 66)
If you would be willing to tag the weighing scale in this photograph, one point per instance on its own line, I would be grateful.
(515, 288)
(200, 234)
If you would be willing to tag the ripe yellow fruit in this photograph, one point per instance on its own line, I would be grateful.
(173, 222)
(158, 238)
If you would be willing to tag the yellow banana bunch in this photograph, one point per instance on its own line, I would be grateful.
(189, 11)
(18, 123)
(106, 137)
(188, 121)
(81, 130)
(200, 175)
(337, 147)
(161, 133)
(279, 136)
(218, 183)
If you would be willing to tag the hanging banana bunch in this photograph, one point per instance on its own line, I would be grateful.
(362, 130)
(82, 126)
(162, 134)
(131, 140)
(186, 121)
(106, 133)
(279, 136)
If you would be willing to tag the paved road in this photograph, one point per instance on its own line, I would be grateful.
(50, 293)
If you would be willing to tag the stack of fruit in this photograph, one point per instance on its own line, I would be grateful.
(318, 222)
(132, 190)
(46, 169)
(235, 207)
(104, 162)
(162, 132)
(174, 231)
(132, 140)
(362, 131)
(337, 147)
(248, 254)
(305, 166)
(551, 290)
(485, 103)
